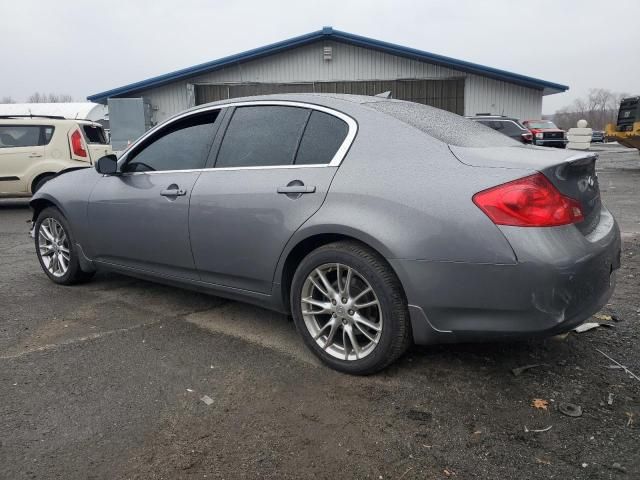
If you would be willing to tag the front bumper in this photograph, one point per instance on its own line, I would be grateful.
(560, 279)
(558, 143)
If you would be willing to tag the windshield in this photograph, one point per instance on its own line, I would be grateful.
(542, 124)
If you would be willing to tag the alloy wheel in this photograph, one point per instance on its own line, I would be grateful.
(341, 311)
(53, 245)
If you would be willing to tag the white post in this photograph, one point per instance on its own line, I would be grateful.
(580, 137)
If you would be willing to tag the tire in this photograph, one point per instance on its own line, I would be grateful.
(373, 349)
(51, 224)
(37, 185)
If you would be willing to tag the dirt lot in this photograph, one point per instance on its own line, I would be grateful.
(104, 380)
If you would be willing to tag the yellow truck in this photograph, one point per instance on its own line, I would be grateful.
(627, 129)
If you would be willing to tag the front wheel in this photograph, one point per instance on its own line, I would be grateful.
(350, 309)
(57, 253)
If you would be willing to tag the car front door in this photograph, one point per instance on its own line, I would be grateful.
(273, 169)
(21, 148)
(139, 218)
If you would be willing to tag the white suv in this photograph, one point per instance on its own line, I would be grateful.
(35, 148)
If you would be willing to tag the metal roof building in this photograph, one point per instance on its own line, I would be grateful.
(332, 61)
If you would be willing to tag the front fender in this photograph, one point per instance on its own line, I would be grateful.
(69, 192)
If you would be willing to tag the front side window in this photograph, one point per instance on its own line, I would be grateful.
(20, 136)
(322, 139)
(259, 136)
(182, 145)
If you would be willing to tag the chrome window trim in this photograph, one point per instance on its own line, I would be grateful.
(227, 169)
(335, 161)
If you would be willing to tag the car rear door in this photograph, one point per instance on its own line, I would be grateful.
(139, 219)
(273, 169)
(21, 148)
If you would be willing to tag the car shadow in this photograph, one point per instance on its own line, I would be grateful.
(277, 332)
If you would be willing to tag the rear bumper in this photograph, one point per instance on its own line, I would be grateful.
(561, 278)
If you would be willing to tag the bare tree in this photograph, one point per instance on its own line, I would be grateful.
(38, 97)
(598, 108)
(7, 100)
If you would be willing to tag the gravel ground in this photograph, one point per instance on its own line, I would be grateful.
(105, 380)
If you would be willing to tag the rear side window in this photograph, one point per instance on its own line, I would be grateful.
(47, 133)
(21, 136)
(260, 136)
(442, 125)
(322, 139)
(182, 145)
(94, 134)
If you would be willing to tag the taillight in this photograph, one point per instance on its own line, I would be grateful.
(528, 202)
(77, 144)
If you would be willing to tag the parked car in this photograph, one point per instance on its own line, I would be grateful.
(597, 136)
(546, 134)
(376, 223)
(511, 127)
(33, 149)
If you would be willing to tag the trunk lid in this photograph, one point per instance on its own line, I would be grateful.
(573, 174)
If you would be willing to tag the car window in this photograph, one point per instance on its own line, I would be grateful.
(321, 140)
(20, 136)
(94, 134)
(182, 145)
(47, 134)
(264, 135)
(510, 128)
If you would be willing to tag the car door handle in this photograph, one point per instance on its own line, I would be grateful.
(173, 192)
(35, 155)
(296, 189)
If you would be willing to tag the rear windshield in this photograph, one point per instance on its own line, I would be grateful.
(94, 134)
(442, 125)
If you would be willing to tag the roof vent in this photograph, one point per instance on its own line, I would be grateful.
(327, 53)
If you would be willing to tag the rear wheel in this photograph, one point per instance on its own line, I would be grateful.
(349, 307)
(56, 250)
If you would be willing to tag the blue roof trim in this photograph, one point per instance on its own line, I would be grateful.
(328, 33)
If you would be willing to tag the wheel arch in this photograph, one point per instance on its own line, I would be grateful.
(38, 177)
(40, 203)
(301, 245)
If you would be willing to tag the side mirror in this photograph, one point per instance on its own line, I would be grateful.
(107, 165)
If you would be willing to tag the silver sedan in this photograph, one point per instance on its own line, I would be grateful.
(375, 223)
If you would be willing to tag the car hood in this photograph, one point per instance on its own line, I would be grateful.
(545, 129)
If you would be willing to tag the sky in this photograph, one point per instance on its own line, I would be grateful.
(81, 47)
